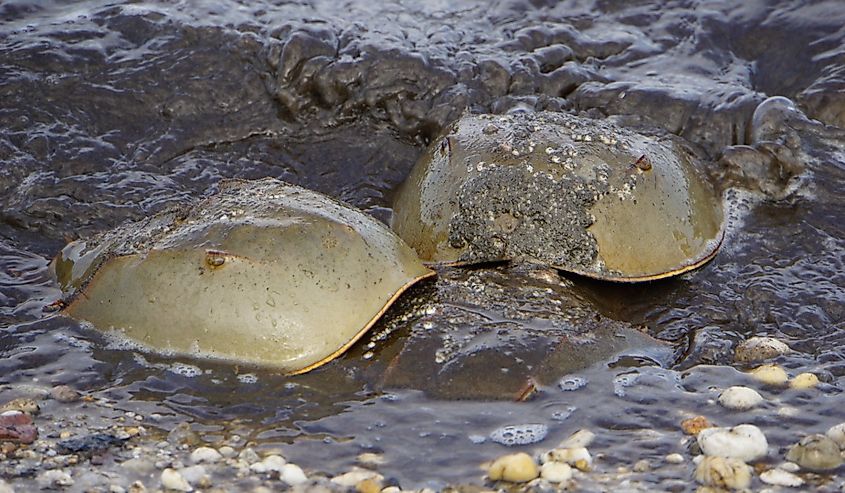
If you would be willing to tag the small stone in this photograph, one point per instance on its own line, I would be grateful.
(196, 476)
(271, 463)
(740, 398)
(837, 434)
(392, 489)
(815, 453)
(370, 459)
(556, 472)
(140, 465)
(172, 480)
(760, 349)
(227, 451)
(579, 457)
(368, 486)
(779, 477)
(6, 487)
(770, 374)
(692, 426)
(675, 458)
(723, 472)
(16, 426)
(27, 406)
(514, 468)
(580, 439)
(744, 442)
(137, 487)
(205, 454)
(642, 466)
(53, 478)
(182, 434)
(249, 456)
(65, 394)
(355, 476)
(804, 381)
(293, 475)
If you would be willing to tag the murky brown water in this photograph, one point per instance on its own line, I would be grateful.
(111, 112)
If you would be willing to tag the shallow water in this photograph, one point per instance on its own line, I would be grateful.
(111, 112)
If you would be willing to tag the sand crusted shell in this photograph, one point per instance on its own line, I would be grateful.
(583, 195)
(263, 272)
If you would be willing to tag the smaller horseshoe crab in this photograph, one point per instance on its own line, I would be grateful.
(263, 272)
(582, 195)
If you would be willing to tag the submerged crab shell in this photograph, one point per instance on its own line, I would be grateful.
(263, 273)
(583, 195)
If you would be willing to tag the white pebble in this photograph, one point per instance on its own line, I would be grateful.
(556, 472)
(743, 442)
(675, 458)
(740, 398)
(779, 477)
(837, 434)
(579, 457)
(723, 472)
(205, 454)
(271, 463)
(196, 476)
(6, 487)
(227, 451)
(759, 349)
(172, 480)
(770, 374)
(352, 478)
(53, 478)
(580, 439)
(293, 475)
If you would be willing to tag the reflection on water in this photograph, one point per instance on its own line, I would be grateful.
(113, 112)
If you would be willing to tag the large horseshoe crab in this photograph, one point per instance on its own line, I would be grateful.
(263, 272)
(582, 195)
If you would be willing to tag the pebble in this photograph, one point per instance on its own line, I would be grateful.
(556, 472)
(804, 381)
(770, 374)
(837, 434)
(249, 456)
(53, 478)
(642, 466)
(370, 459)
(723, 472)
(292, 474)
(740, 398)
(815, 453)
(355, 476)
(692, 426)
(23, 405)
(17, 426)
(183, 434)
(227, 451)
(743, 442)
(514, 468)
(65, 394)
(579, 457)
(760, 349)
(580, 439)
(172, 480)
(6, 487)
(196, 476)
(271, 463)
(205, 454)
(675, 458)
(139, 465)
(368, 486)
(779, 477)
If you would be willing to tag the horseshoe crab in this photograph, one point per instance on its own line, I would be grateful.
(263, 272)
(582, 195)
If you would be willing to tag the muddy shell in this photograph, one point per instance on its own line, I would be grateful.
(583, 195)
(262, 273)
